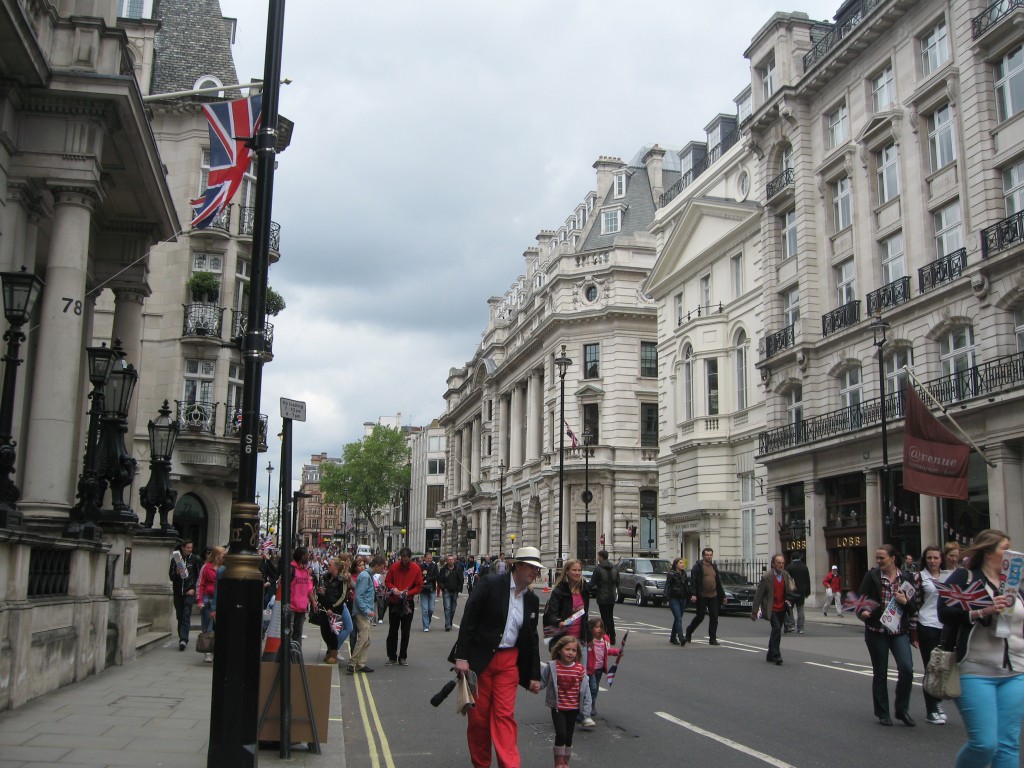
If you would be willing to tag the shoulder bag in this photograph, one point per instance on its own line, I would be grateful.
(942, 675)
(204, 643)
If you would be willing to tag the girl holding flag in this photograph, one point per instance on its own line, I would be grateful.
(991, 667)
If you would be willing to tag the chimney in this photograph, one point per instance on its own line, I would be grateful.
(606, 168)
(653, 160)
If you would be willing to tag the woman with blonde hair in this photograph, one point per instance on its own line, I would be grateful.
(992, 701)
(332, 597)
(568, 597)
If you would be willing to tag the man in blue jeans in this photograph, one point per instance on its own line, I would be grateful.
(184, 572)
(451, 579)
(429, 590)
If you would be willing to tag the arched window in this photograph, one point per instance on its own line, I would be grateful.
(209, 81)
(687, 383)
(956, 351)
(741, 371)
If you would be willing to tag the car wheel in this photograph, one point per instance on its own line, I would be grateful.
(619, 596)
(641, 598)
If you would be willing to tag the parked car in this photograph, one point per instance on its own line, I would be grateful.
(739, 591)
(643, 579)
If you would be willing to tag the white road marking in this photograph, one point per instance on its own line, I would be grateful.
(892, 675)
(727, 742)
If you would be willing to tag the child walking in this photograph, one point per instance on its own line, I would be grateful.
(568, 694)
(601, 650)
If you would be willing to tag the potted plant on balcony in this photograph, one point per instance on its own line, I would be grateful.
(204, 286)
(275, 302)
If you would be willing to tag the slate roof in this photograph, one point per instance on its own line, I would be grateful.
(193, 40)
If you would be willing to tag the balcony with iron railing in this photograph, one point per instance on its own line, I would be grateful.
(222, 220)
(202, 320)
(785, 179)
(889, 295)
(246, 219)
(239, 323)
(944, 270)
(844, 26)
(233, 426)
(780, 340)
(687, 178)
(844, 317)
(992, 15)
(1002, 234)
(197, 416)
(702, 310)
(1001, 374)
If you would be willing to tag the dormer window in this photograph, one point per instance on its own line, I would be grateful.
(209, 81)
(620, 185)
(611, 221)
(744, 106)
(768, 84)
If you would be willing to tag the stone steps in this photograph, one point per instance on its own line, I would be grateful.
(146, 638)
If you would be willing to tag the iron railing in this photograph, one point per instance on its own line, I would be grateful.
(849, 518)
(702, 310)
(687, 178)
(890, 295)
(202, 320)
(233, 426)
(843, 317)
(239, 323)
(222, 220)
(976, 381)
(944, 270)
(49, 572)
(246, 218)
(752, 570)
(992, 15)
(197, 416)
(1002, 234)
(840, 30)
(785, 179)
(780, 340)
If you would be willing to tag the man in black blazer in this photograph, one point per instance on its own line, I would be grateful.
(498, 641)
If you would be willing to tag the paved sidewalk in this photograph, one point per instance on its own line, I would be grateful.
(153, 712)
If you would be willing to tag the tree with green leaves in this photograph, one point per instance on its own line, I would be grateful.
(371, 473)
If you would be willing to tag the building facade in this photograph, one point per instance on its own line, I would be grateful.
(319, 523)
(426, 488)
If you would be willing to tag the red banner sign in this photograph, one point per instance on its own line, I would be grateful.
(934, 460)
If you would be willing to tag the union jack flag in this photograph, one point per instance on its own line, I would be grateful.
(266, 544)
(854, 603)
(571, 435)
(232, 126)
(615, 667)
(337, 624)
(975, 596)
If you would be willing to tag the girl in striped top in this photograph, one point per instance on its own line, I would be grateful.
(568, 694)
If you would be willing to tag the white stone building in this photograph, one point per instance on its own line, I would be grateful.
(426, 488)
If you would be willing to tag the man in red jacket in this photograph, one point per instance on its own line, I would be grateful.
(403, 582)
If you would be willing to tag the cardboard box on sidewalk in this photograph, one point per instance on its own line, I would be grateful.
(319, 677)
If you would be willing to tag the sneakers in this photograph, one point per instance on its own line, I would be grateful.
(673, 641)
(208, 658)
(365, 668)
(588, 722)
(403, 662)
(182, 644)
(935, 718)
(390, 662)
(426, 629)
(939, 711)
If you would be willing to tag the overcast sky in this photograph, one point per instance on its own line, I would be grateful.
(433, 141)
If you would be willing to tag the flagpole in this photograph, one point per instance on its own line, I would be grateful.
(948, 415)
(234, 699)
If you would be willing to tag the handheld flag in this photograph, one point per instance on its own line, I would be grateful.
(934, 460)
(233, 125)
(854, 603)
(551, 630)
(618, 660)
(571, 435)
(975, 596)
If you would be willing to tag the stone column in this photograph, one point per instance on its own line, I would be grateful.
(128, 303)
(483, 535)
(1005, 491)
(515, 449)
(503, 435)
(875, 531)
(56, 409)
(930, 533)
(457, 462)
(816, 557)
(610, 530)
(534, 417)
(467, 448)
(475, 430)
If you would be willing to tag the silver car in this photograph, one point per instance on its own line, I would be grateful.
(643, 579)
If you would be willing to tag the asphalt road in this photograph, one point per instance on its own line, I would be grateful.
(713, 706)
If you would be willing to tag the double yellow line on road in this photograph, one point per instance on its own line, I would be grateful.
(371, 724)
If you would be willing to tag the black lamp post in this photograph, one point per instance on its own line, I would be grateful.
(501, 506)
(86, 512)
(631, 529)
(157, 496)
(114, 464)
(270, 469)
(878, 330)
(648, 515)
(587, 495)
(20, 289)
(562, 362)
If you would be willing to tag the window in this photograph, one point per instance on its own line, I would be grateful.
(611, 222)
(838, 126)
(1018, 328)
(711, 379)
(435, 466)
(744, 108)
(888, 174)
(649, 358)
(131, 9)
(648, 425)
(679, 308)
(934, 48)
(207, 262)
(846, 282)
(893, 264)
(688, 383)
(591, 293)
(883, 92)
(591, 361)
(705, 291)
(1009, 73)
(248, 199)
(620, 185)
(842, 207)
(736, 264)
(791, 306)
(437, 443)
(1013, 188)
(895, 373)
(768, 78)
(786, 159)
(947, 230)
(741, 371)
(243, 273)
(795, 406)
(956, 352)
(941, 143)
(850, 392)
(749, 530)
(236, 376)
(591, 422)
(198, 381)
(788, 220)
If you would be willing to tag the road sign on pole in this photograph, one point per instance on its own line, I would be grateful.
(293, 409)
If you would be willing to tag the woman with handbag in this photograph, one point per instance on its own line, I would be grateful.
(677, 590)
(991, 680)
(332, 595)
(929, 629)
(206, 591)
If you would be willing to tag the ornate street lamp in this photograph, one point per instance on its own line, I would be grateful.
(587, 495)
(878, 331)
(157, 496)
(114, 464)
(649, 515)
(86, 512)
(562, 362)
(21, 290)
(501, 505)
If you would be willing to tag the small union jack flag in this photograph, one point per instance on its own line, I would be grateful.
(337, 624)
(571, 435)
(233, 124)
(854, 603)
(266, 544)
(618, 659)
(975, 596)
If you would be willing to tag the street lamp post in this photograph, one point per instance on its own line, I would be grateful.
(878, 330)
(649, 517)
(632, 537)
(270, 469)
(501, 506)
(587, 495)
(115, 465)
(20, 290)
(562, 362)
(158, 496)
